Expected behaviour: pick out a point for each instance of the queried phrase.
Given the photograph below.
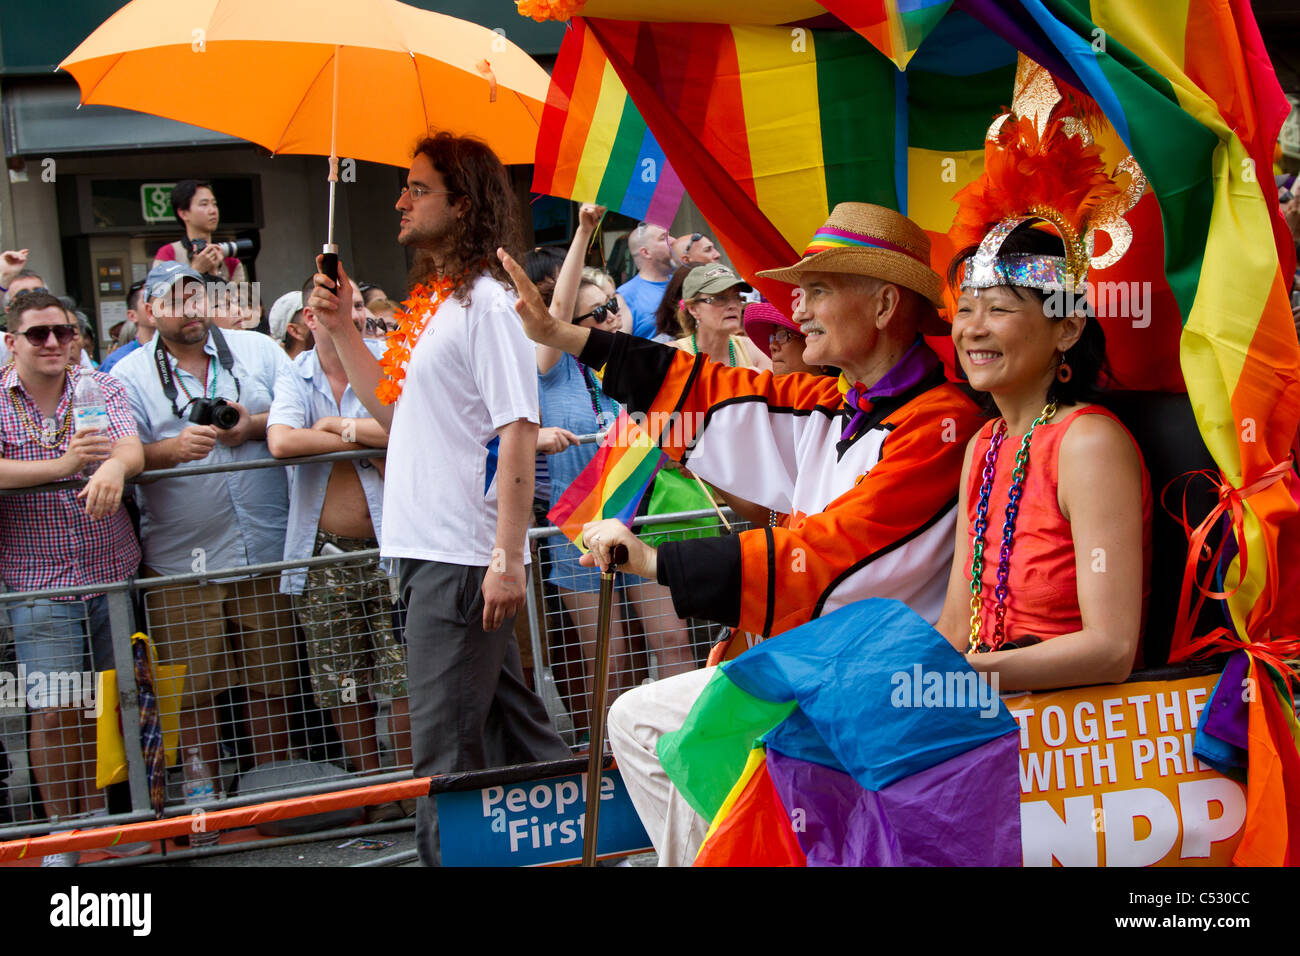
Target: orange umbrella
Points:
(280, 74)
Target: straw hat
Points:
(862, 239)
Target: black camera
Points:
(236, 247)
(214, 411)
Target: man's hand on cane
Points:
(602, 537)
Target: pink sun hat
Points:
(760, 319)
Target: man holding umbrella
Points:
(457, 391)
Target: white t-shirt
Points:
(472, 372)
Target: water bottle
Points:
(199, 792)
(89, 410)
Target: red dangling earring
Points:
(1063, 371)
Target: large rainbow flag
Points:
(774, 755)
(593, 145)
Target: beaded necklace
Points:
(731, 349)
(593, 392)
(211, 382)
(47, 437)
(1008, 531)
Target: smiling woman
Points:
(1031, 614)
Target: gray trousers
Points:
(471, 708)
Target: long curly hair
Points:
(470, 168)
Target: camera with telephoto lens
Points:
(214, 411)
(236, 247)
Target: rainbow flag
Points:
(772, 127)
(774, 754)
(613, 483)
(593, 145)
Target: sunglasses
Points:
(779, 336)
(38, 335)
(598, 313)
(695, 237)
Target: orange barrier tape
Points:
(228, 819)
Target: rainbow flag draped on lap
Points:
(774, 753)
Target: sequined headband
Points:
(987, 270)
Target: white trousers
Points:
(636, 722)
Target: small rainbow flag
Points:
(593, 145)
(613, 483)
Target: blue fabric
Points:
(566, 403)
(118, 355)
(643, 298)
(847, 671)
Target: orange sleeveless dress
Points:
(1042, 582)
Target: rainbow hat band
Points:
(868, 240)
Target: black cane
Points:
(603, 613)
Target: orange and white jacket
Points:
(871, 516)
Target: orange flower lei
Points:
(416, 313)
(541, 10)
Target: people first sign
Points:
(538, 823)
(1108, 778)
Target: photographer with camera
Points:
(195, 208)
(202, 394)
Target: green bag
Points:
(673, 492)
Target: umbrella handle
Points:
(329, 263)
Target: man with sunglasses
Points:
(61, 539)
(29, 281)
(229, 519)
(697, 249)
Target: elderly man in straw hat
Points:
(867, 468)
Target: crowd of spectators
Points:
(191, 346)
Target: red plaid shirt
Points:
(46, 539)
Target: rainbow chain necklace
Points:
(593, 392)
(1008, 531)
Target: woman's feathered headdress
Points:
(1040, 163)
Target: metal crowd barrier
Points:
(264, 705)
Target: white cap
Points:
(282, 312)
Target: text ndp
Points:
(536, 816)
(1111, 771)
